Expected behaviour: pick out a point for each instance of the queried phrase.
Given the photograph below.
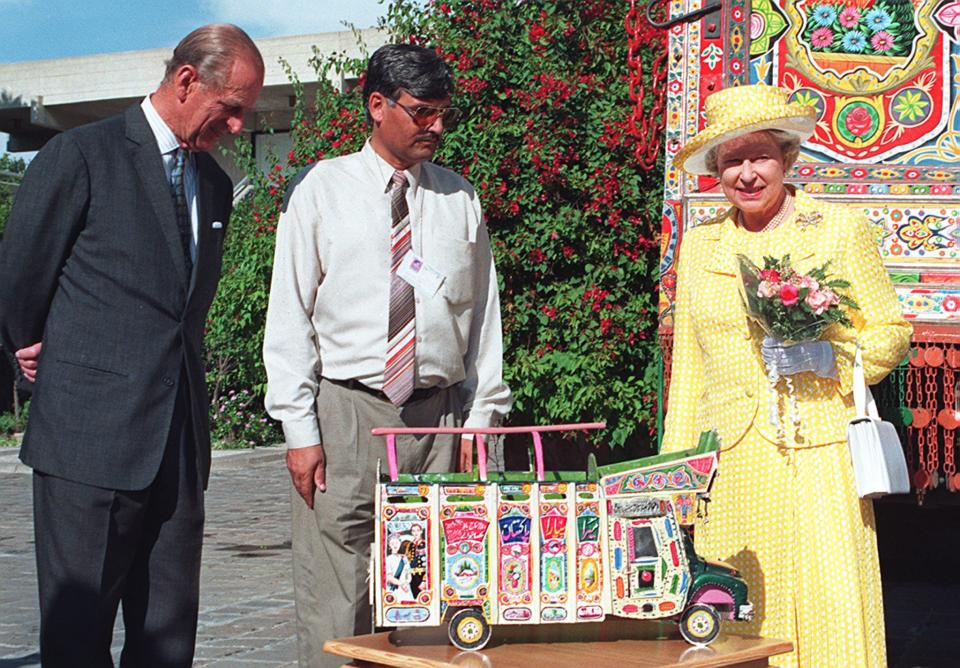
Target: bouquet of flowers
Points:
(791, 307)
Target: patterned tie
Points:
(401, 329)
(180, 203)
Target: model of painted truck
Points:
(548, 547)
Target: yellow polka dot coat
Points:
(784, 508)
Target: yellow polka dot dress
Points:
(784, 508)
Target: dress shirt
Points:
(329, 298)
(168, 144)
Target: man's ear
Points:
(377, 106)
(185, 80)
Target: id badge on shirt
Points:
(419, 274)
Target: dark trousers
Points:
(97, 547)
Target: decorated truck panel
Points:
(544, 547)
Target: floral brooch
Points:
(812, 219)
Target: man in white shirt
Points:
(383, 312)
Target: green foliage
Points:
(11, 171)
(573, 219)
(14, 422)
(235, 327)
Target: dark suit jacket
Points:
(92, 265)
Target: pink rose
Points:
(767, 289)
(808, 282)
(789, 294)
(818, 300)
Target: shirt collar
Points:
(384, 170)
(166, 140)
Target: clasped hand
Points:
(788, 359)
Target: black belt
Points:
(353, 384)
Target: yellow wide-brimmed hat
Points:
(734, 112)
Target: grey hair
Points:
(212, 50)
(788, 144)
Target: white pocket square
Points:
(217, 225)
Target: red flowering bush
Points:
(573, 219)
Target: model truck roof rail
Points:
(707, 445)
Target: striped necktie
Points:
(401, 329)
(180, 204)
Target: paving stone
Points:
(246, 602)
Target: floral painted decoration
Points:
(864, 27)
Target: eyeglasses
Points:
(424, 115)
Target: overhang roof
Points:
(42, 97)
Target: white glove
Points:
(815, 356)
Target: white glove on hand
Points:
(815, 356)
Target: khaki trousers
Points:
(331, 543)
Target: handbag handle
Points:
(862, 396)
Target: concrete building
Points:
(41, 98)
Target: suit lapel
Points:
(720, 259)
(803, 253)
(149, 165)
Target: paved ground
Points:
(246, 600)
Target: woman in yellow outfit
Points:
(784, 508)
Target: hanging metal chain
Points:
(933, 452)
(902, 376)
(914, 394)
(949, 424)
(912, 379)
(646, 127)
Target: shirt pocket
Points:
(455, 258)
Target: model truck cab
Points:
(657, 573)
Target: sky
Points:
(44, 29)
(41, 29)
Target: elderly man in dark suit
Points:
(109, 263)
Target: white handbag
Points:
(878, 462)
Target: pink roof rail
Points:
(391, 434)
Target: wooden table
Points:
(615, 643)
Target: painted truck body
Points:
(550, 548)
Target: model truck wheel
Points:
(468, 629)
(700, 624)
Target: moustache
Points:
(428, 136)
